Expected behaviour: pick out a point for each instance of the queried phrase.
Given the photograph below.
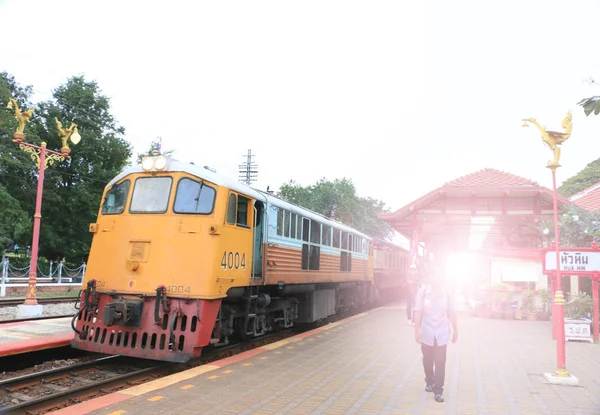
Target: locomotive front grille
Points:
(178, 336)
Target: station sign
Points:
(574, 261)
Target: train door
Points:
(258, 242)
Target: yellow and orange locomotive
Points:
(182, 258)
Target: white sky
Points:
(398, 96)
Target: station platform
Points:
(370, 364)
(30, 336)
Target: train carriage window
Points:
(293, 226)
(350, 242)
(336, 238)
(194, 197)
(315, 258)
(242, 211)
(326, 235)
(315, 233)
(231, 209)
(115, 199)
(344, 240)
(305, 229)
(286, 224)
(280, 213)
(151, 195)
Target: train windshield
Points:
(194, 197)
(151, 195)
(114, 202)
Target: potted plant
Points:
(544, 313)
(529, 304)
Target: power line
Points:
(249, 170)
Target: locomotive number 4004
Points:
(233, 260)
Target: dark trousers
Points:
(434, 363)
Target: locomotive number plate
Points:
(233, 260)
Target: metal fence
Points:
(57, 274)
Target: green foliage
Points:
(590, 105)
(72, 188)
(338, 200)
(579, 306)
(587, 177)
(577, 227)
(154, 150)
(14, 224)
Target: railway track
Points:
(6, 302)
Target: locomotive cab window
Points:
(194, 197)
(237, 210)
(231, 209)
(242, 211)
(151, 195)
(115, 199)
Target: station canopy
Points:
(482, 211)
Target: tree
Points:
(154, 150)
(577, 227)
(338, 200)
(72, 188)
(590, 105)
(14, 224)
(18, 176)
(587, 177)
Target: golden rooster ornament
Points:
(22, 118)
(553, 139)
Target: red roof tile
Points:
(588, 199)
(490, 178)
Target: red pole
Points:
(595, 297)
(559, 301)
(37, 218)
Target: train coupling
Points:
(122, 312)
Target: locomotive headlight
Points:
(160, 163)
(147, 163)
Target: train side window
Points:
(315, 258)
(286, 224)
(315, 233)
(242, 211)
(326, 235)
(344, 240)
(305, 229)
(231, 209)
(346, 261)
(280, 213)
(350, 242)
(304, 256)
(336, 238)
(293, 226)
(115, 199)
(194, 197)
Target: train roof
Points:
(220, 180)
(379, 241)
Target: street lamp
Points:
(553, 140)
(42, 158)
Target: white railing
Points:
(58, 274)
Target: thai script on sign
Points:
(582, 261)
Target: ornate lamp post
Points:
(42, 158)
(553, 140)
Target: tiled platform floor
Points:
(372, 365)
(27, 336)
